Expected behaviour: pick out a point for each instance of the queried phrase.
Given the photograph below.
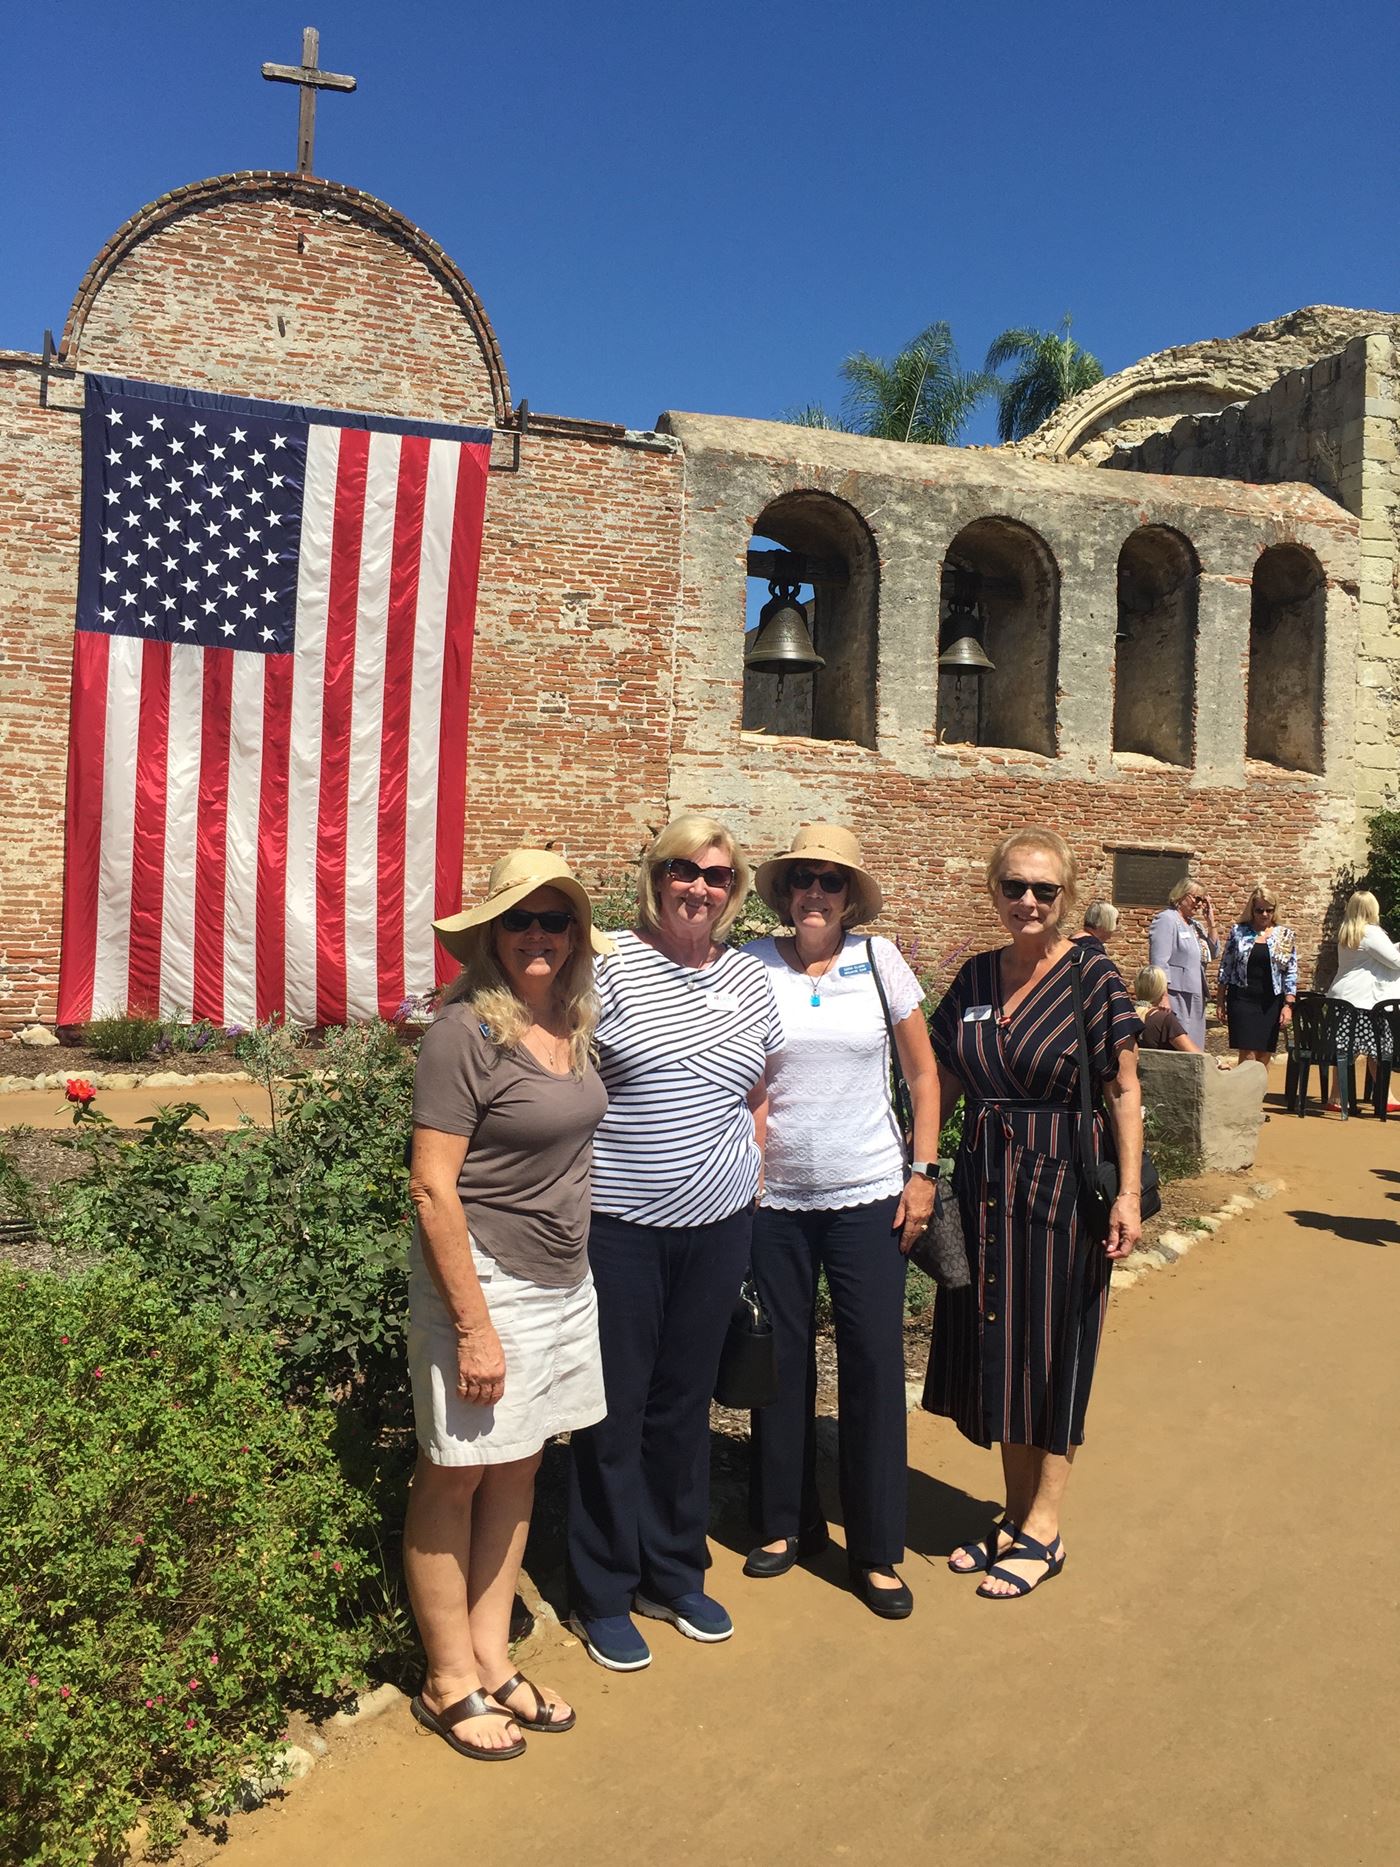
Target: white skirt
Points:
(554, 1369)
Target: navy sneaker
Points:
(698, 1616)
(613, 1641)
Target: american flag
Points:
(267, 752)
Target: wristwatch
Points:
(928, 1168)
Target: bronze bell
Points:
(966, 656)
(780, 644)
(964, 653)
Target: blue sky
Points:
(706, 206)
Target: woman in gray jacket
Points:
(1179, 944)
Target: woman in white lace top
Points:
(838, 1196)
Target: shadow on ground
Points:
(1356, 1231)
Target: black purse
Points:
(748, 1362)
(1098, 1179)
(942, 1251)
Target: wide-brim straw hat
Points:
(513, 878)
(825, 842)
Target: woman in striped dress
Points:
(684, 1034)
(1013, 1355)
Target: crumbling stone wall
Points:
(1337, 425)
(1128, 407)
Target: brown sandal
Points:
(544, 1718)
(474, 1705)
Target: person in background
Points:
(1182, 945)
(1100, 925)
(685, 1030)
(1258, 978)
(503, 1324)
(838, 1196)
(1013, 1356)
(1368, 962)
(1161, 1028)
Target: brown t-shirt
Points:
(524, 1184)
(1158, 1030)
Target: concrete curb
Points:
(1170, 1246)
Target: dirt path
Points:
(1213, 1677)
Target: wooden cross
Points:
(311, 80)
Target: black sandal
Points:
(545, 1718)
(474, 1705)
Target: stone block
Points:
(35, 1037)
(1215, 1114)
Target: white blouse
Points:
(832, 1136)
(1367, 973)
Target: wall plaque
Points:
(1143, 878)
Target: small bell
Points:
(780, 644)
(963, 631)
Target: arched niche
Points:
(1010, 574)
(1154, 692)
(1287, 632)
(840, 564)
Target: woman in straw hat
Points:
(503, 1329)
(685, 1029)
(838, 1196)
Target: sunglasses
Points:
(1012, 889)
(798, 879)
(551, 920)
(682, 869)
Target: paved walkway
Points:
(223, 1103)
(1212, 1678)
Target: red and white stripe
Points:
(250, 834)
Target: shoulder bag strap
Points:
(1086, 1094)
(900, 1097)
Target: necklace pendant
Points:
(816, 996)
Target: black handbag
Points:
(748, 1362)
(942, 1251)
(1098, 1179)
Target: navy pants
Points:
(639, 1481)
(865, 1273)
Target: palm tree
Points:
(1051, 368)
(921, 394)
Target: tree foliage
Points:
(1050, 368)
(922, 393)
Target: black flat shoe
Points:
(768, 1562)
(891, 1604)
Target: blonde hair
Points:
(1179, 890)
(1100, 915)
(1259, 897)
(1049, 844)
(1363, 911)
(687, 836)
(1150, 984)
(483, 986)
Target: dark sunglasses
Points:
(682, 869)
(552, 920)
(798, 879)
(1012, 889)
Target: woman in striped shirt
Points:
(684, 1034)
(1013, 1355)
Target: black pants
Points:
(865, 1273)
(639, 1481)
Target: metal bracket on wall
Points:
(47, 359)
(521, 426)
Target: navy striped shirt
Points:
(680, 1048)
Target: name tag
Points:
(977, 1014)
(849, 972)
(721, 1001)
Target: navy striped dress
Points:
(1013, 1355)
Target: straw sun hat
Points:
(513, 878)
(825, 842)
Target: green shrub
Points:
(123, 1036)
(1382, 877)
(301, 1231)
(182, 1562)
